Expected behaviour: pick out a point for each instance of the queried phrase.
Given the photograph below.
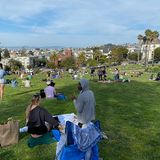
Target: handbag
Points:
(9, 132)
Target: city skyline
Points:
(75, 23)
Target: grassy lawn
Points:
(129, 114)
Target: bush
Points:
(154, 69)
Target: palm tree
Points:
(54, 57)
(149, 38)
(140, 42)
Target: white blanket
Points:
(63, 118)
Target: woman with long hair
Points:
(2, 81)
(38, 119)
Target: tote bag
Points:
(9, 132)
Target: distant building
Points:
(63, 55)
(149, 50)
(13, 54)
(5, 61)
(26, 61)
(133, 49)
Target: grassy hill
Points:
(128, 112)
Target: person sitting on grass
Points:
(27, 83)
(124, 78)
(50, 90)
(39, 123)
(151, 77)
(38, 119)
(158, 77)
(14, 83)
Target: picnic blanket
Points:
(44, 139)
(75, 142)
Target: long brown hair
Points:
(35, 101)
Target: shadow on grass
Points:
(21, 93)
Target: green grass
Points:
(129, 114)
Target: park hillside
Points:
(128, 113)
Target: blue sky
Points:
(75, 23)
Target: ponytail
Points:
(35, 101)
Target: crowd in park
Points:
(72, 132)
(46, 128)
(101, 73)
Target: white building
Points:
(149, 50)
(26, 60)
(5, 61)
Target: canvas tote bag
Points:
(9, 132)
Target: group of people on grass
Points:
(155, 78)
(102, 75)
(40, 122)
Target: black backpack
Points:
(42, 93)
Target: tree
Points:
(91, 62)
(7, 68)
(103, 59)
(118, 54)
(157, 54)
(14, 64)
(133, 56)
(41, 62)
(149, 38)
(81, 59)
(69, 63)
(51, 65)
(6, 53)
(54, 58)
(97, 54)
(140, 42)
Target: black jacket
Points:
(37, 118)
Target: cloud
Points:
(104, 21)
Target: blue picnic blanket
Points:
(73, 151)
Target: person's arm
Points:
(50, 119)
(54, 91)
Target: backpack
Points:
(42, 93)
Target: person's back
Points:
(49, 91)
(38, 119)
(14, 83)
(27, 83)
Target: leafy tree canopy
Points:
(119, 54)
(157, 54)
